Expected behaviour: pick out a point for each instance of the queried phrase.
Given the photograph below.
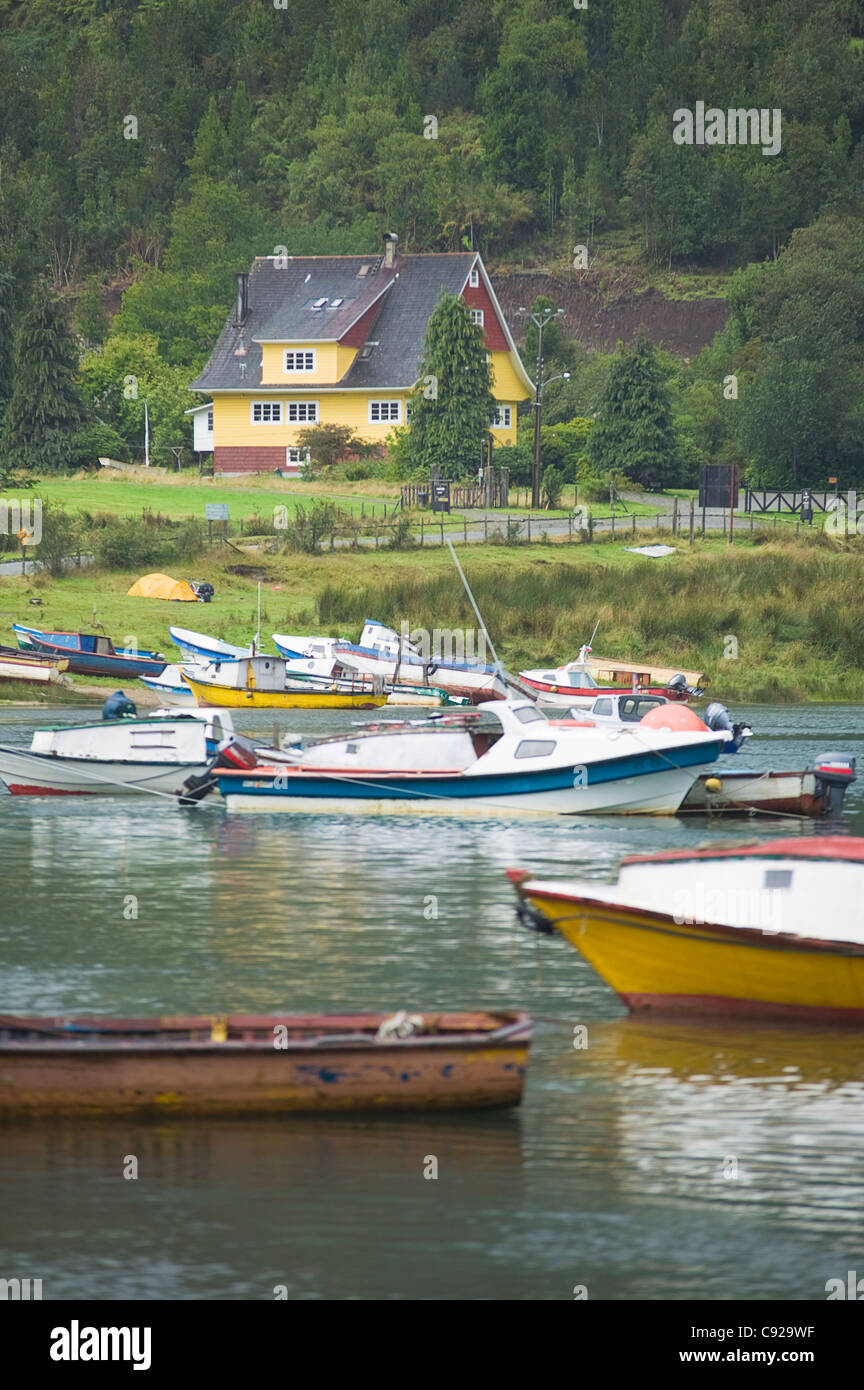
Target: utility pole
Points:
(541, 321)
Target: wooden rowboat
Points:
(18, 666)
(272, 1063)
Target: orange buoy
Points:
(679, 719)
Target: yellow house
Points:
(337, 340)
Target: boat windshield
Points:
(530, 714)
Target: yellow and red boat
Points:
(771, 930)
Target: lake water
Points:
(664, 1161)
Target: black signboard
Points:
(440, 497)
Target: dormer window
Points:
(299, 361)
(474, 278)
(477, 317)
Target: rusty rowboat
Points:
(263, 1063)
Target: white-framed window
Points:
(503, 417)
(385, 411)
(409, 410)
(266, 412)
(303, 412)
(477, 317)
(295, 361)
(210, 421)
(297, 456)
(474, 278)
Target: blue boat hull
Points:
(644, 781)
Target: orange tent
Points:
(162, 586)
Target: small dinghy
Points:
(276, 1064)
(773, 930)
(817, 791)
(17, 665)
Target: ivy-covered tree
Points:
(634, 433)
(45, 408)
(453, 403)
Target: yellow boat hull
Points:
(653, 963)
(228, 697)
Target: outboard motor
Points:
(834, 773)
(234, 752)
(678, 689)
(718, 717)
(119, 706)
(202, 590)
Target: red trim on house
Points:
(359, 331)
(496, 339)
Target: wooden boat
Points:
(157, 753)
(774, 930)
(501, 756)
(198, 648)
(16, 665)
(264, 682)
(817, 791)
(279, 1063)
(90, 655)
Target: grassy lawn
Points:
(790, 604)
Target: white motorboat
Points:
(381, 652)
(503, 756)
(156, 753)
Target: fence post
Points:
(332, 540)
(675, 516)
(376, 537)
(529, 528)
(485, 528)
(613, 523)
(634, 526)
(442, 532)
(569, 525)
(421, 530)
(465, 529)
(692, 516)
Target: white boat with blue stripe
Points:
(503, 756)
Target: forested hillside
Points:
(153, 147)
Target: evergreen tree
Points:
(453, 403)
(634, 433)
(45, 407)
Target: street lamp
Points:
(541, 320)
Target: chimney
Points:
(241, 308)
(390, 242)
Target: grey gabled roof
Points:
(280, 310)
